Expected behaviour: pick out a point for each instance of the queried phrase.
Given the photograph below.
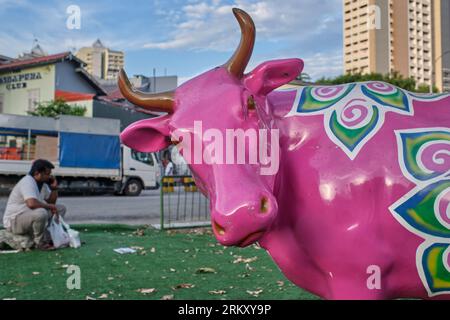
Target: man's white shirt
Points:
(169, 169)
(25, 189)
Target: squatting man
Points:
(32, 204)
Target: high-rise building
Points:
(441, 48)
(101, 62)
(411, 37)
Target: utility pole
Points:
(154, 80)
(432, 71)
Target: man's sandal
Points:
(46, 247)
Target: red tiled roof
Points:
(20, 64)
(40, 60)
(73, 96)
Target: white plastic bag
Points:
(74, 236)
(58, 234)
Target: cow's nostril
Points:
(218, 228)
(264, 206)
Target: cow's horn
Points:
(163, 102)
(238, 62)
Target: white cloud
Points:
(11, 45)
(324, 65)
(316, 65)
(209, 25)
(308, 29)
(311, 29)
(199, 10)
(47, 24)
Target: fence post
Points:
(162, 203)
(186, 183)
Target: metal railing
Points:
(182, 204)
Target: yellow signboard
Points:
(20, 91)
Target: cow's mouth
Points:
(246, 241)
(218, 229)
(251, 238)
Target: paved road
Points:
(144, 209)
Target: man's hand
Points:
(35, 204)
(54, 212)
(52, 208)
(54, 183)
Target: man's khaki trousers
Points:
(35, 222)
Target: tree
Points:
(425, 88)
(394, 78)
(56, 108)
(304, 77)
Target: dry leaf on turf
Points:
(219, 292)
(147, 291)
(240, 259)
(184, 286)
(205, 270)
(255, 293)
(248, 267)
(139, 232)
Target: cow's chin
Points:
(250, 239)
(242, 242)
(246, 224)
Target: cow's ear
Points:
(272, 74)
(149, 135)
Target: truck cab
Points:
(86, 153)
(141, 171)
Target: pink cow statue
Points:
(359, 205)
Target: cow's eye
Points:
(251, 104)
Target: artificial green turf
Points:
(175, 262)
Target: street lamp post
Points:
(432, 70)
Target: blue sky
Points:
(184, 37)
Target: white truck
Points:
(86, 152)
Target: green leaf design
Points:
(309, 104)
(398, 99)
(433, 264)
(419, 210)
(351, 138)
(412, 143)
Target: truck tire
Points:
(133, 188)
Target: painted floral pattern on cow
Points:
(353, 113)
(436, 267)
(424, 157)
